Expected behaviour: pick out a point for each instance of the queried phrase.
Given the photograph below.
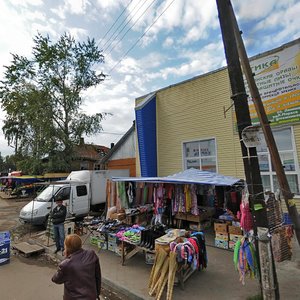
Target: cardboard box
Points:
(180, 216)
(220, 227)
(111, 247)
(235, 237)
(102, 244)
(111, 238)
(195, 226)
(221, 244)
(222, 236)
(235, 230)
(149, 258)
(231, 245)
(114, 216)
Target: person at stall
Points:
(80, 271)
(58, 216)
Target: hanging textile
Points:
(158, 203)
(245, 213)
(187, 197)
(194, 208)
(244, 259)
(122, 194)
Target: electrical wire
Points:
(111, 27)
(141, 36)
(129, 28)
(122, 24)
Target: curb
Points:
(106, 283)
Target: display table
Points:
(183, 274)
(134, 250)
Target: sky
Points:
(147, 44)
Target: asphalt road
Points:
(28, 278)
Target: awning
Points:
(188, 176)
(22, 179)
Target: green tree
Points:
(42, 98)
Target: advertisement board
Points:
(277, 77)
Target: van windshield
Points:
(47, 193)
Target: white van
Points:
(81, 192)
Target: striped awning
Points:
(187, 176)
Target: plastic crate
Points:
(4, 247)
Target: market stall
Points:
(166, 218)
(163, 215)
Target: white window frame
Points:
(184, 158)
(272, 173)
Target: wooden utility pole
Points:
(265, 124)
(250, 160)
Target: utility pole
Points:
(250, 160)
(265, 124)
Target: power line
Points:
(141, 36)
(114, 133)
(131, 27)
(111, 27)
(123, 23)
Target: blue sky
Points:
(168, 41)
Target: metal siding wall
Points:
(194, 110)
(146, 131)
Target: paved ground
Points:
(28, 279)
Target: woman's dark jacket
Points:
(81, 274)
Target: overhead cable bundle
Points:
(245, 259)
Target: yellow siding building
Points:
(194, 123)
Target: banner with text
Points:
(277, 77)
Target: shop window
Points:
(200, 155)
(285, 143)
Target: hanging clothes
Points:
(122, 194)
(194, 207)
(188, 199)
(245, 213)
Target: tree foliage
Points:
(42, 98)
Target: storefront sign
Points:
(277, 77)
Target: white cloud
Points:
(185, 39)
(168, 42)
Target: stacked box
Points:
(4, 247)
(118, 250)
(235, 234)
(102, 241)
(235, 230)
(221, 238)
(111, 246)
(221, 227)
(112, 242)
(221, 244)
